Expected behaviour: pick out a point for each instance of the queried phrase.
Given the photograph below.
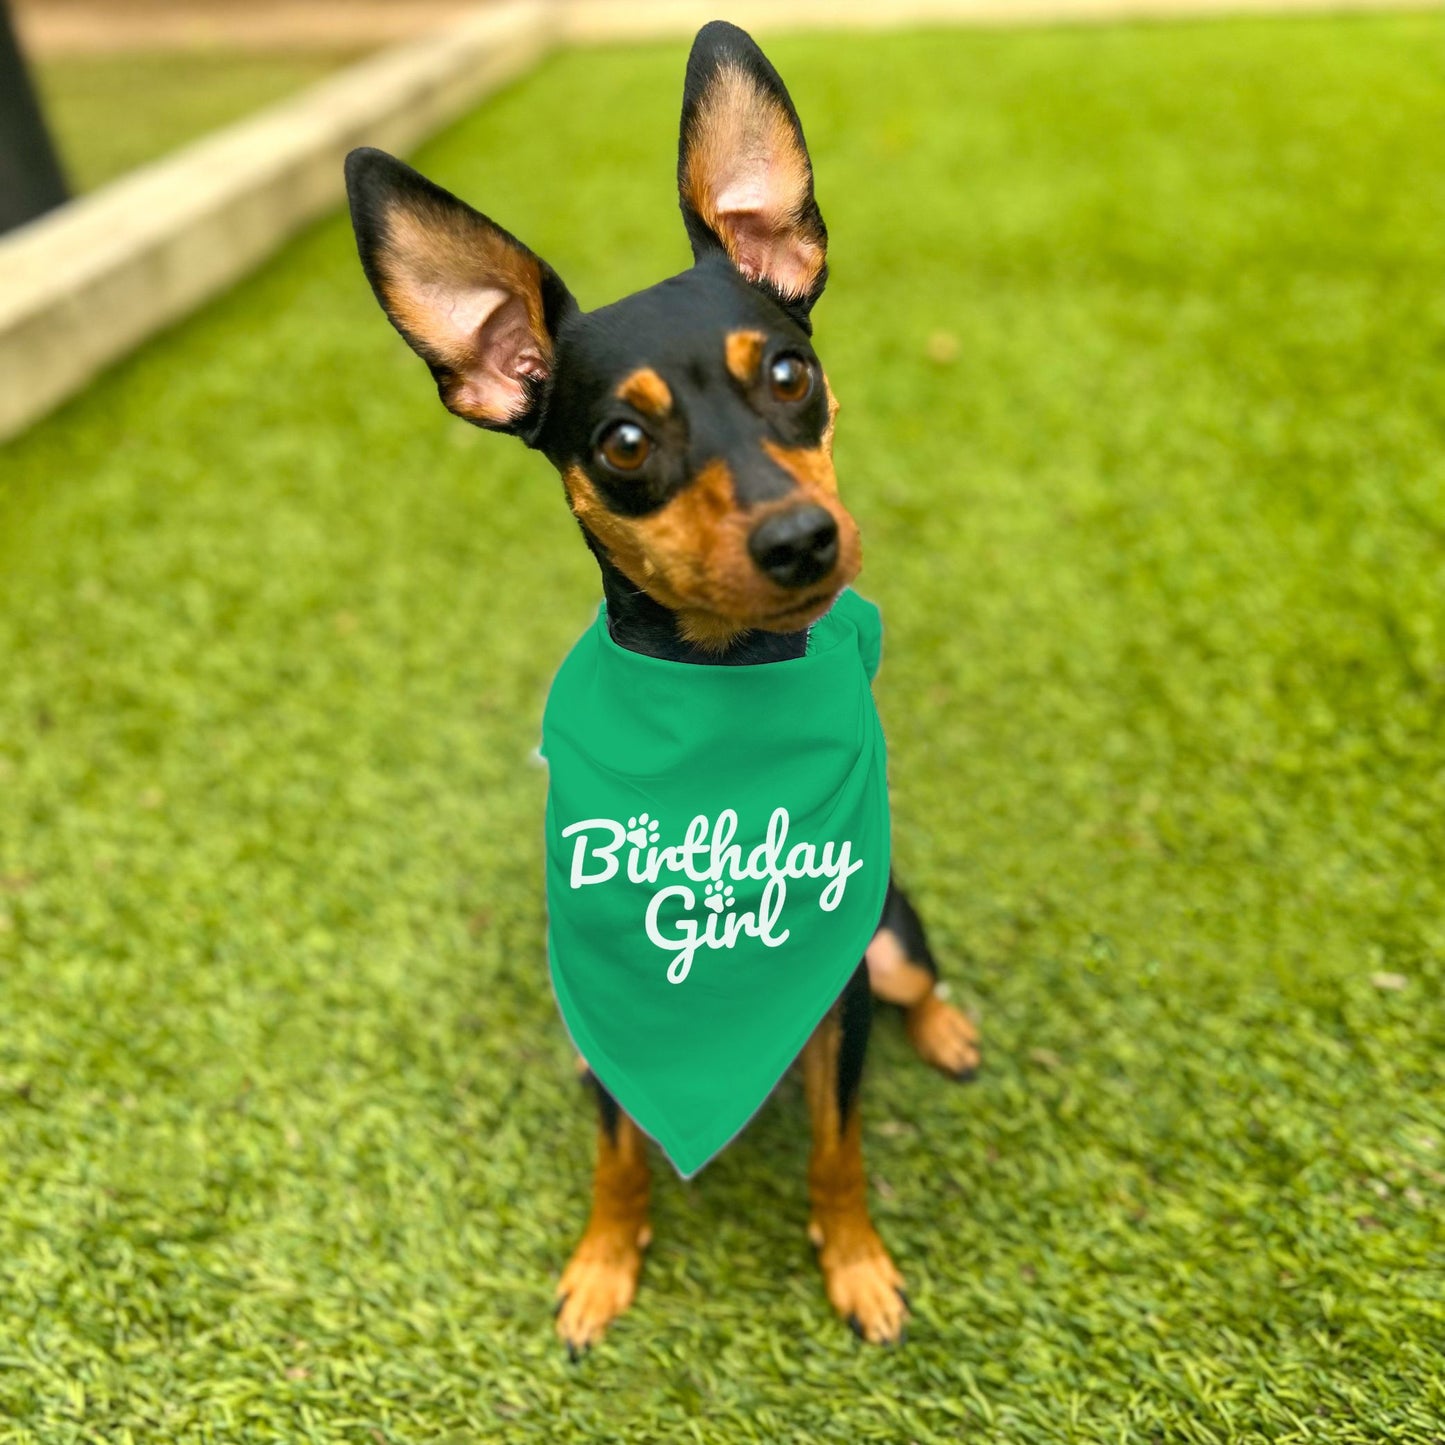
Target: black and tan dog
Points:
(692, 425)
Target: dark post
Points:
(31, 181)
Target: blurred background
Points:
(124, 81)
(1139, 333)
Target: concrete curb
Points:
(595, 22)
(87, 283)
(104, 27)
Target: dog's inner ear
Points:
(469, 299)
(746, 177)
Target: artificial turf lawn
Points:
(292, 1144)
(110, 113)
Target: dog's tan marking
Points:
(748, 177)
(692, 555)
(941, 1034)
(677, 553)
(600, 1279)
(744, 353)
(892, 975)
(810, 467)
(862, 1282)
(832, 424)
(648, 392)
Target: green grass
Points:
(292, 1146)
(111, 113)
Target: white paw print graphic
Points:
(642, 830)
(718, 896)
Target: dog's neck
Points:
(640, 624)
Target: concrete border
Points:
(86, 284)
(109, 27)
(597, 22)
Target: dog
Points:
(692, 426)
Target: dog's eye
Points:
(624, 447)
(790, 377)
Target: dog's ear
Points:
(471, 300)
(743, 172)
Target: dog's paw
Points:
(598, 1284)
(718, 896)
(642, 830)
(862, 1282)
(944, 1037)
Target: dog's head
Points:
(691, 422)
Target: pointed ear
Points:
(474, 303)
(743, 173)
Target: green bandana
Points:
(717, 858)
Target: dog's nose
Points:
(795, 547)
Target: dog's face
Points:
(692, 422)
(692, 426)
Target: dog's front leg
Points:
(901, 970)
(862, 1283)
(601, 1277)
